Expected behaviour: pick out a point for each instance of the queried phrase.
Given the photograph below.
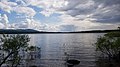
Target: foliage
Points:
(109, 44)
(11, 46)
(32, 48)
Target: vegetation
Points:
(10, 46)
(32, 48)
(109, 45)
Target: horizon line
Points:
(27, 31)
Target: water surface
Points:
(56, 48)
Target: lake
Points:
(55, 48)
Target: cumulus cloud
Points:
(24, 10)
(47, 12)
(26, 24)
(18, 26)
(7, 2)
(1, 26)
(52, 27)
(8, 6)
(5, 7)
(83, 14)
(49, 6)
(4, 20)
(33, 24)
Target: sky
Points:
(60, 15)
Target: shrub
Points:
(109, 44)
(11, 45)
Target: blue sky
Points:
(60, 15)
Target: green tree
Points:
(11, 45)
(109, 44)
(32, 48)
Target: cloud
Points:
(24, 10)
(83, 14)
(26, 24)
(83, 24)
(49, 6)
(18, 8)
(7, 2)
(108, 14)
(47, 12)
(68, 28)
(18, 26)
(51, 27)
(7, 6)
(104, 11)
(105, 26)
(33, 24)
(1, 26)
(100, 11)
(4, 20)
(107, 2)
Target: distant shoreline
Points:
(31, 31)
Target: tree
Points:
(11, 45)
(109, 44)
(33, 48)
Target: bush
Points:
(109, 44)
(11, 46)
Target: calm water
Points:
(56, 48)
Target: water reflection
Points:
(105, 62)
(57, 49)
(77, 46)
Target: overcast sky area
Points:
(60, 15)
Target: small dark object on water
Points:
(73, 62)
(33, 66)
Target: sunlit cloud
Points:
(25, 10)
(76, 14)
